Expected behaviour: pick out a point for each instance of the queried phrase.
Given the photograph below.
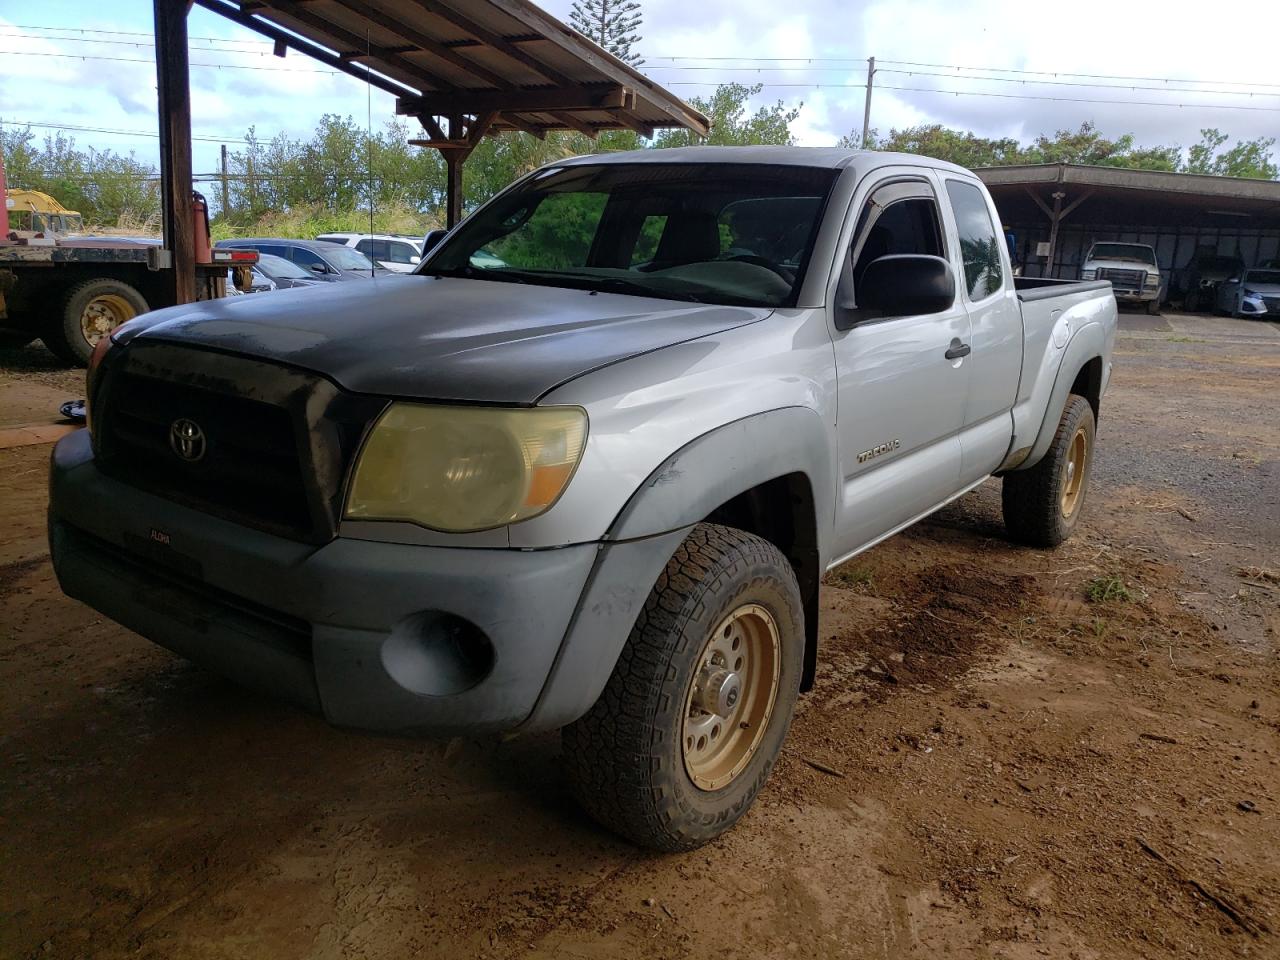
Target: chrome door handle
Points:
(957, 350)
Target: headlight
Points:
(459, 469)
(1088, 274)
(1153, 279)
(1250, 293)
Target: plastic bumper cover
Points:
(351, 628)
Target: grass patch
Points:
(1107, 590)
(854, 577)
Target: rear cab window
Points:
(980, 244)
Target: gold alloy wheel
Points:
(103, 314)
(731, 697)
(1073, 476)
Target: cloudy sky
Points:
(60, 67)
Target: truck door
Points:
(995, 328)
(900, 397)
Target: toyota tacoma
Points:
(585, 468)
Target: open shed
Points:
(1069, 207)
(463, 68)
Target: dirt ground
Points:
(993, 765)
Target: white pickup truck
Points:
(1130, 268)
(586, 467)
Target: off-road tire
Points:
(63, 334)
(1032, 499)
(624, 758)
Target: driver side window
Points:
(896, 225)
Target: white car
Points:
(397, 253)
(1132, 269)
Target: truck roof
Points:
(831, 157)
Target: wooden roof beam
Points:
(422, 41)
(228, 9)
(345, 39)
(546, 100)
(498, 42)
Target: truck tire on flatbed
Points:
(690, 723)
(1042, 505)
(91, 310)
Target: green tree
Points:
(1088, 146)
(942, 143)
(612, 24)
(733, 123)
(1248, 158)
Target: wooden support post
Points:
(453, 162)
(173, 84)
(1054, 220)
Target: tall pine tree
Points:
(610, 23)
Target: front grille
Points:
(1272, 304)
(249, 464)
(1124, 281)
(276, 441)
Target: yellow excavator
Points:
(36, 212)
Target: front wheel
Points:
(690, 723)
(1042, 505)
(1153, 308)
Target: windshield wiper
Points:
(623, 285)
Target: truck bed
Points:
(86, 250)
(1044, 288)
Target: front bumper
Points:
(362, 631)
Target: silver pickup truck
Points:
(586, 467)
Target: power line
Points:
(123, 133)
(691, 58)
(1087, 76)
(260, 49)
(861, 62)
(922, 73)
(218, 66)
(988, 93)
(127, 33)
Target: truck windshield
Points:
(708, 233)
(1123, 251)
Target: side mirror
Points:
(899, 285)
(429, 242)
(319, 268)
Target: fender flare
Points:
(714, 468)
(688, 486)
(1088, 343)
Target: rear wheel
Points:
(90, 311)
(692, 719)
(1042, 505)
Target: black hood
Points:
(437, 338)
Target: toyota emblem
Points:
(187, 440)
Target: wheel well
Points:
(1088, 384)
(782, 511)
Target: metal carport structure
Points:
(464, 68)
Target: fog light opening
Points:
(437, 654)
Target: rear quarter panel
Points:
(1060, 335)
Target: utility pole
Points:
(866, 112)
(226, 205)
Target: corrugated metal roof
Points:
(505, 61)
